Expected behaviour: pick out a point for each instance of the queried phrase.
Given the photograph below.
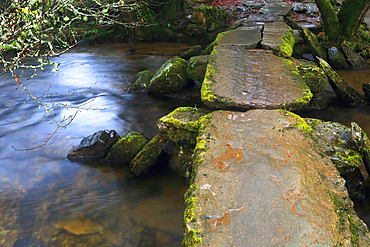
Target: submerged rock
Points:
(316, 48)
(347, 94)
(337, 59)
(314, 77)
(94, 146)
(278, 36)
(141, 81)
(80, 226)
(337, 142)
(197, 68)
(148, 156)
(191, 52)
(125, 149)
(170, 77)
(259, 179)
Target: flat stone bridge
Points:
(260, 180)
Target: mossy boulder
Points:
(125, 149)
(191, 52)
(316, 48)
(181, 158)
(362, 144)
(141, 81)
(197, 68)
(353, 58)
(314, 77)
(337, 59)
(170, 77)
(148, 156)
(345, 92)
(182, 125)
(337, 142)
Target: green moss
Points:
(300, 123)
(314, 77)
(286, 47)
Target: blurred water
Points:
(41, 191)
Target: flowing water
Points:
(44, 197)
(47, 200)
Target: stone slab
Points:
(237, 78)
(278, 36)
(261, 182)
(276, 8)
(247, 36)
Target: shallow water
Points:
(44, 196)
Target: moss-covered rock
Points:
(181, 158)
(337, 142)
(148, 156)
(197, 68)
(337, 59)
(314, 77)
(125, 149)
(170, 77)
(182, 125)
(345, 92)
(317, 49)
(353, 58)
(191, 52)
(362, 144)
(141, 81)
(278, 36)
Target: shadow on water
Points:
(47, 200)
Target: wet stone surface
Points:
(276, 8)
(278, 36)
(261, 181)
(243, 79)
(246, 36)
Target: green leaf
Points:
(105, 10)
(66, 18)
(85, 18)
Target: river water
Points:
(44, 197)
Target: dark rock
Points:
(253, 4)
(94, 146)
(316, 48)
(125, 149)
(261, 180)
(191, 52)
(314, 77)
(337, 59)
(278, 36)
(197, 68)
(141, 81)
(337, 142)
(353, 58)
(345, 92)
(276, 8)
(148, 156)
(268, 82)
(362, 144)
(170, 77)
(366, 89)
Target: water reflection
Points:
(47, 200)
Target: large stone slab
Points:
(246, 36)
(278, 36)
(260, 181)
(237, 78)
(276, 8)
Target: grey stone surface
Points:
(276, 8)
(337, 59)
(237, 78)
(260, 181)
(353, 58)
(246, 36)
(278, 36)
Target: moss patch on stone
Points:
(197, 67)
(314, 77)
(286, 47)
(141, 81)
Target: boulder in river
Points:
(141, 81)
(96, 145)
(148, 156)
(353, 58)
(197, 68)
(337, 142)
(345, 92)
(125, 149)
(314, 77)
(191, 52)
(170, 77)
(337, 59)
